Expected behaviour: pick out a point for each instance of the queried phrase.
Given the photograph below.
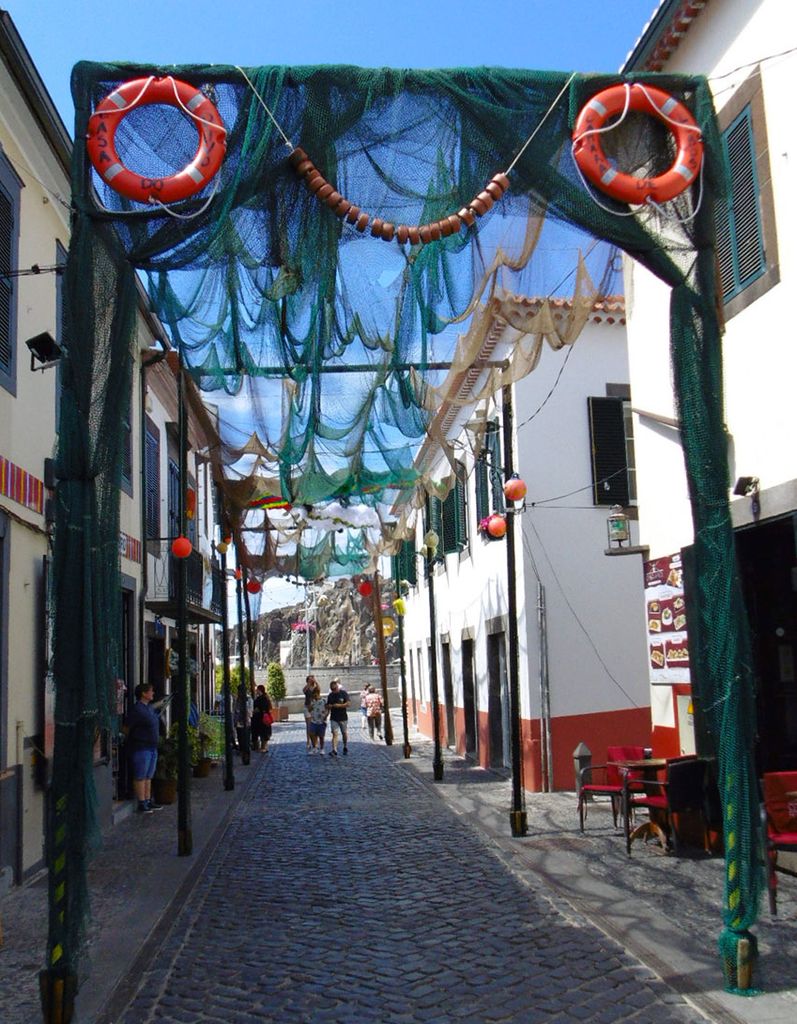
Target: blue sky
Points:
(569, 35)
(581, 35)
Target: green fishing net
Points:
(321, 356)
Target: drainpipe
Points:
(546, 752)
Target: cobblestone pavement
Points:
(345, 892)
(358, 890)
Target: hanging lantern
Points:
(365, 588)
(182, 547)
(221, 547)
(515, 489)
(388, 627)
(190, 503)
(253, 586)
(496, 525)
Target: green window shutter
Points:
(151, 469)
(448, 519)
(6, 282)
(403, 565)
(409, 568)
(740, 240)
(496, 468)
(607, 442)
(482, 480)
(461, 508)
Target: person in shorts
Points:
(142, 727)
(337, 702)
(373, 707)
(318, 719)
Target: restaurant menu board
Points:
(668, 643)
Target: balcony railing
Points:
(203, 582)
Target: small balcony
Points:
(203, 585)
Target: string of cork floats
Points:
(414, 234)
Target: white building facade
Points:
(580, 614)
(740, 47)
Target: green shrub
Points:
(275, 682)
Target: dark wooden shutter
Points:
(740, 242)
(153, 482)
(6, 282)
(404, 567)
(607, 441)
(482, 481)
(496, 468)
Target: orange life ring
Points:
(591, 159)
(103, 123)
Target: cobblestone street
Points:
(343, 891)
(356, 890)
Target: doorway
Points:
(497, 701)
(448, 697)
(469, 699)
(767, 557)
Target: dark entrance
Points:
(768, 565)
(497, 706)
(448, 697)
(469, 698)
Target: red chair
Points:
(780, 822)
(606, 780)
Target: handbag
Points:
(268, 718)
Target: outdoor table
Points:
(650, 768)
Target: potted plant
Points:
(164, 784)
(275, 688)
(204, 737)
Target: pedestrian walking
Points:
(243, 716)
(261, 720)
(373, 709)
(363, 709)
(338, 702)
(318, 719)
(310, 685)
(142, 728)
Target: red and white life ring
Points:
(591, 159)
(104, 122)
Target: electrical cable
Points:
(574, 613)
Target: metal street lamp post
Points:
(517, 814)
(402, 662)
(243, 717)
(229, 772)
(430, 544)
(380, 653)
(185, 843)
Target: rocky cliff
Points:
(340, 622)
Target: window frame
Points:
(608, 443)
(748, 100)
(152, 524)
(11, 187)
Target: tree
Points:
(275, 682)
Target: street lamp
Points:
(429, 550)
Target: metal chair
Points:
(682, 790)
(780, 824)
(606, 780)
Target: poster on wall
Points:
(668, 642)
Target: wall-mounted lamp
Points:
(617, 527)
(44, 349)
(749, 487)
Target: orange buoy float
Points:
(138, 92)
(627, 188)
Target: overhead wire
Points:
(573, 612)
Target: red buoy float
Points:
(253, 586)
(365, 588)
(496, 525)
(647, 99)
(139, 92)
(182, 547)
